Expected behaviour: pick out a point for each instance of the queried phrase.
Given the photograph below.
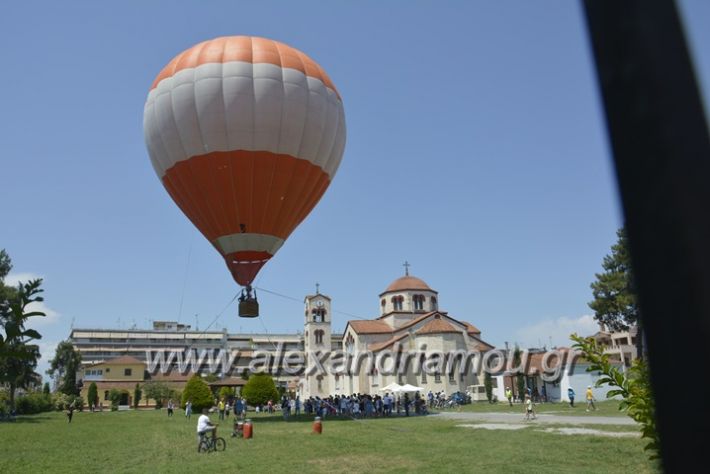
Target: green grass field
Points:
(149, 441)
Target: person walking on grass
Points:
(188, 409)
(570, 395)
(529, 410)
(171, 407)
(590, 399)
(220, 407)
(509, 395)
(70, 412)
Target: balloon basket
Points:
(249, 308)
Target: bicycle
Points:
(209, 444)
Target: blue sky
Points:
(476, 151)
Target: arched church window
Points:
(349, 344)
(433, 302)
(418, 302)
(384, 302)
(319, 336)
(398, 303)
(318, 315)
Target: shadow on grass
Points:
(24, 419)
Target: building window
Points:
(418, 302)
(452, 377)
(433, 303)
(318, 315)
(384, 302)
(349, 344)
(318, 333)
(398, 302)
(127, 372)
(437, 377)
(106, 395)
(107, 370)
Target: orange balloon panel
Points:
(246, 134)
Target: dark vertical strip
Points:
(659, 137)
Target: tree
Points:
(93, 395)
(45, 389)
(520, 378)
(488, 384)
(260, 389)
(614, 292)
(226, 393)
(634, 387)
(18, 357)
(199, 393)
(136, 396)
(64, 366)
(5, 267)
(157, 391)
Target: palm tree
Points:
(18, 358)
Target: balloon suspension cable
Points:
(301, 301)
(234, 298)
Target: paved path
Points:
(541, 418)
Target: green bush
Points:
(35, 402)
(226, 393)
(93, 395)
(260, 389)
(118, 397)
(62, 401)
(137, 394)
(199, 392)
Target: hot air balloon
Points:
(246, 135)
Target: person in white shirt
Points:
(204, 425)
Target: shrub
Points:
(226, 393)
(117, 397)
(136, 396)
(62, 401)
(199, 392)
(93, 395)
(260, 389)
(35, 402)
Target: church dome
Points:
(407, 282)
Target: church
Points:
(410, 322)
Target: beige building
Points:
(410, 322)
(618, 343)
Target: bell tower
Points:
(316, 340)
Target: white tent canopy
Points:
(410, 388)
(393, 387)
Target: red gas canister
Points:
(317, 426)
(248, 429)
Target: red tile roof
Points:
(370, 327)
(470, 328)
(407, 282)
(438, 326)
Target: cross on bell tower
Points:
(406, 266)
